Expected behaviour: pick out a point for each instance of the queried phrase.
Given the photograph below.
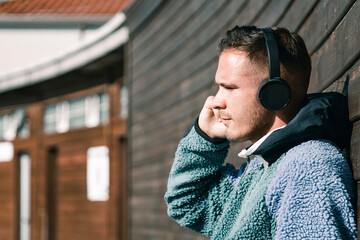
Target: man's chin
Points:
(235, 139)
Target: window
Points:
(50, 119)
(124, 102)
(89, 111)
(14, 125)
(77, 112)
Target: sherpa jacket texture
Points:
(306, 193)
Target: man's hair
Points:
(295, 62)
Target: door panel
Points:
(76, 217)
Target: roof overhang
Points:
(110, 37)
(47, 20)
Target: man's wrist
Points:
(205, 136)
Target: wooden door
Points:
(72, 215)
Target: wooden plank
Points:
(353, 76)
(93, 208)
(247, 15)
(8, 200)
(149, 220)
(173, 30)
(188, 88)
(145, 187)
(66, 234)
(274, 10)
(185, 56)
(174, 128)
(89, 219)
(174, 42)
(155, 202)
(5, 234)
(139, 12)
(339, 52)
(81, 136)
(297, 13)
(322, 21)
(167, 14)
(355, 150)
(66, 188)
(354, 93)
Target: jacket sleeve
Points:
(311, 194)
(197, 186)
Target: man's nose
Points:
(219, 102)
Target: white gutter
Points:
(48, 19)
(109, 37)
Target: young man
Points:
(297, 185)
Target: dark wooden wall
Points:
(172, 60)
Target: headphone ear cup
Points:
(274, 94)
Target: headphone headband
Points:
(274, 93)
(272, 52)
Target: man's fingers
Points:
(209, 102)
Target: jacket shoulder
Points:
(313, 153)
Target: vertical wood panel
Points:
(7, 200)
(51, 191)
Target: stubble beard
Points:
(257, 126)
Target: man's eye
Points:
(228, 87)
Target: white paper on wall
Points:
(6, 151)
(98, 173)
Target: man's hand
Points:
(209, 120)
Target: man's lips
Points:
(224, 120)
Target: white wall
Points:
(22, 47)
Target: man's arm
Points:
(311, 194)
(196, 189)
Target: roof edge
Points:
(109, 37)
(21, 19)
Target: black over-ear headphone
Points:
(274, 93)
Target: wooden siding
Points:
(172, 61)
(59, 205)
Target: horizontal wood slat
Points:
(296, 14)
(322, 22)
(338, 53)
(274, 10)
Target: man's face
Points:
(236, 100)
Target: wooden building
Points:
(62, 120)
(172, 62)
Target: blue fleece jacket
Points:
(306, 193)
